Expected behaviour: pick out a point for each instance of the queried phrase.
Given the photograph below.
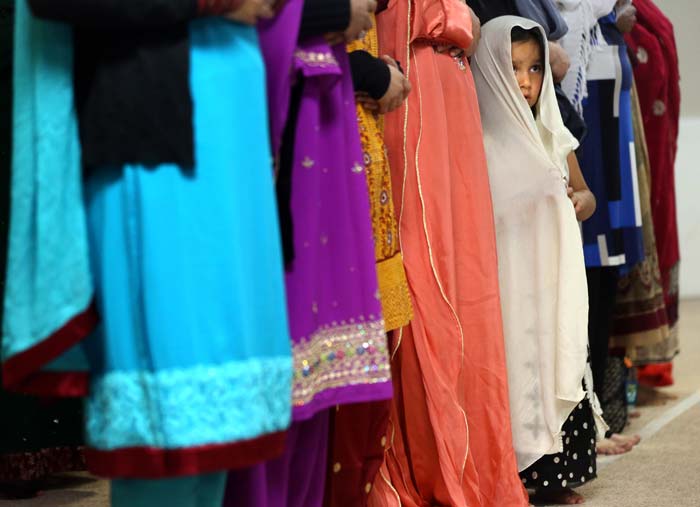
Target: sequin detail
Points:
(317, 59)
(340, 355)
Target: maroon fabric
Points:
(22, 372)
(639, 323)
(652, 42)
(358, 438)
(151, 463)
(36, 465)
(657, 75)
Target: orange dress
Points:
(449, 438)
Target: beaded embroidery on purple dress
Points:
(339, 342)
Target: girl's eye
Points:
(536, 68)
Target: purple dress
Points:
(339, 342)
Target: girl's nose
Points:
(524, 82)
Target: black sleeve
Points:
(572, 120)
(323, 16)
(116, 14)
(369, 74)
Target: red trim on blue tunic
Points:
(21, 372)
(154, 463)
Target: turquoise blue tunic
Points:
(193, 348)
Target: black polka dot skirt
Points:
(577, 464)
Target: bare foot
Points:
(626, 440)
(608, 447)
(565, 496)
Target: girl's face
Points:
(528, 66)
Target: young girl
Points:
(538, 195)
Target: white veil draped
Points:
(584, 34)
(542, 275)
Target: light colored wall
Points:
(685, 15)
(688, 202)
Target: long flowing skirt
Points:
(193, 356)
(448, 441)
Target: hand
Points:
(363, 99)
(250, 11)
(399, 88)
(334, 38)
(476, 34)
(584, 203)
(626, 17)
(558, 61)
(454, 51)
(360, 18)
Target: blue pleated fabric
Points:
(193, 349)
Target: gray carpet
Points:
(662, 472)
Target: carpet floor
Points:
(663, 471)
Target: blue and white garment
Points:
(613, 235)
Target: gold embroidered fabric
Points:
(640, 323)
(393, 286)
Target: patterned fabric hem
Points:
(397, 308)
(660, 352)
(31, 466)
(186, 407)
(342, 354)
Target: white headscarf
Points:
(581, 16)
(540, 254)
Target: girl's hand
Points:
(250, 11)
(584, 203)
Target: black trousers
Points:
(602, 290)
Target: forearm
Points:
(369, 74)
